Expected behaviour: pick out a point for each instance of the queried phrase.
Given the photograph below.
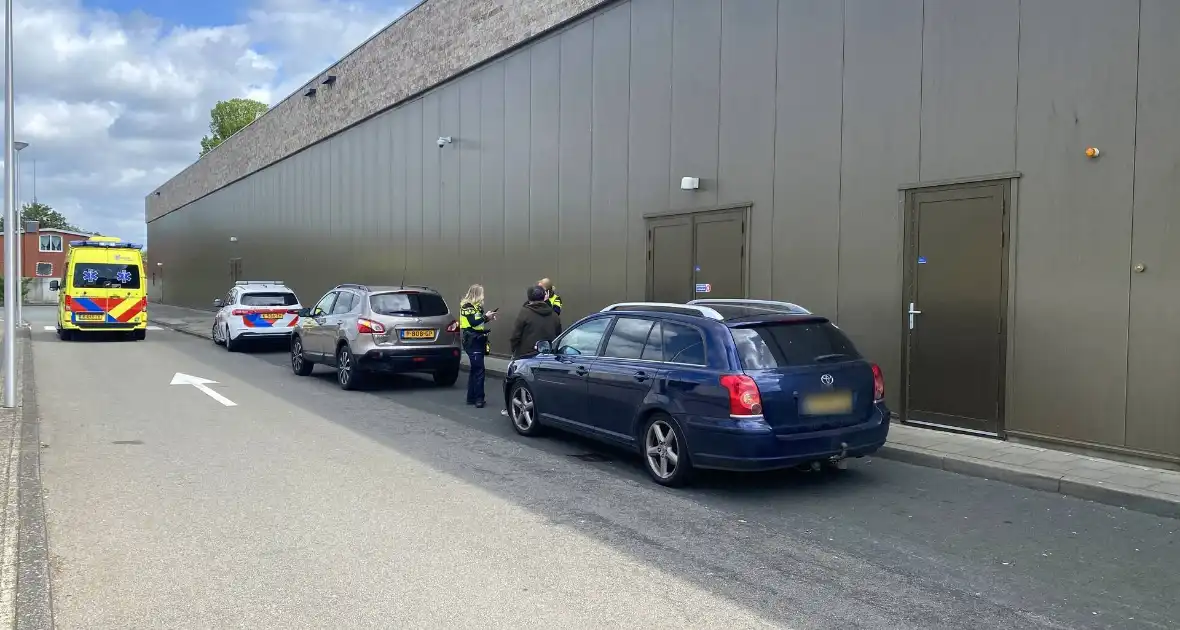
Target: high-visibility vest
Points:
(471, 317)
(555, 302)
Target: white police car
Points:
(254, 309)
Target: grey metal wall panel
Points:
(517, 167)
(969, 74)
(384, 244)
(1074, 225)
(570, 268)
(810, 92)
(1152, 405)
(433, 259)
(491, 187)
(469, 147)
(882, 101)
(450, 213)
(411, 127)
(649, 130)
(746, 141)
(544, 155)
(611, 240)
(696, 87)
(396, 196)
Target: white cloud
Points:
(113, 105)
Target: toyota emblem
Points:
(827, 380)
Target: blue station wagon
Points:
(743, 385)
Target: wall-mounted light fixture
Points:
(233, 239)
(159, 264)
(329, 80)
(1092, 152)
(157, 193)
(310, 92)
(444, 141)
(690, 183)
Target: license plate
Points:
(90, 317)
(418, 334)
(272, 316)
(827, 404)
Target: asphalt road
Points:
(306, 506)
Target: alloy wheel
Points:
(522, 409)
(344, 369)
(661, 449)
(297, 355)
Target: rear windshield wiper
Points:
(823, 358)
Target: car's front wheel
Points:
(299, 364)
(522, 409)
(216, 335)
(665, 454)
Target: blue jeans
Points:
(475, 376)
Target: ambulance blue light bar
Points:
(104, 244)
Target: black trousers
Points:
(476, 347)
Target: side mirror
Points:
(54, 285)
(544, 347)
(218, 303)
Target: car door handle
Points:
(640, 376)
(581, 370)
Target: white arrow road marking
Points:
(203, 385)
(54, 328)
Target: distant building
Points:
(44, 252)
(982, 193)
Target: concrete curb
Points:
(34, 597)
(1118, 496)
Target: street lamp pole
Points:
(11, 229)
(18, 146)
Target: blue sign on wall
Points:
(704, 288)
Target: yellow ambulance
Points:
(102, 289)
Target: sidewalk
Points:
(1131, 486)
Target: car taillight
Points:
(744, 397)
(292, 311)
(878, 384)
(369, 326)
(238, 312)
(453, 327)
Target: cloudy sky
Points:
(113, 96)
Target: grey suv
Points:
(361, 330)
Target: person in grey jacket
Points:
(537, 321)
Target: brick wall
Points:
(430, 44)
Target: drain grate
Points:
(127, 442)
(590, 457)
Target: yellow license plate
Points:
(272, 316)
(90, 317)
(827, 404)
(418, 334)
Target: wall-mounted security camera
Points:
(443, 141)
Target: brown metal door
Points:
(669, 255)
(235, 269)
(720, 252)
(956, 277)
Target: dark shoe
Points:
(479, 405)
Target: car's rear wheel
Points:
(299, 364)
(216, 335)
(522, 409)
(665, 454)
(347, 374)
(446, 378)
(231, 344)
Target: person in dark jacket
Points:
(537, 321)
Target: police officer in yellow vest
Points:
(551, 296)
(473, 325)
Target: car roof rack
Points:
(772, 306)
(242, 283)
(666, 307)
(349, 285)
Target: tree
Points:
(227, 117)
(45, 215)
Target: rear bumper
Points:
(260, 333)
(755, 448)
(105, 326)
(436, 359)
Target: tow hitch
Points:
(840, 461)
